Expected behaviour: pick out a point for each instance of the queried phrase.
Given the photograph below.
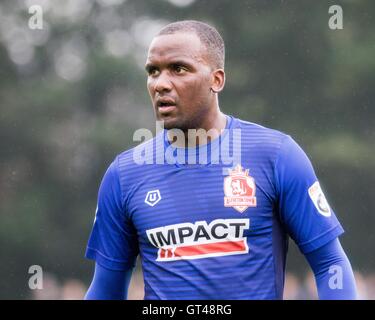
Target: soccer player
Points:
(210, 228)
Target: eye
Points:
(179, 69)
(153, 72)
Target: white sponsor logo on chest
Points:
(197, 240)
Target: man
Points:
(209, 229)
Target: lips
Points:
(165, 105)
(166, 109)
(165, 102)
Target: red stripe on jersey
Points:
(217, 247)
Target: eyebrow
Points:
(149, 66)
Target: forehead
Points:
(178, 46)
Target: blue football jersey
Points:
(212, 229)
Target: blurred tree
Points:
(72, 94)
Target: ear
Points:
(218, 80)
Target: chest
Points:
(172, 197)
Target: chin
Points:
(175, 122)
(169, 122)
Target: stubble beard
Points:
(184, 124)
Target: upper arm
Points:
(113, 241)
(303, 209)
(333, 272)
(109, 284)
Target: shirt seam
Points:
(123, 198)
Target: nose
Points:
(163, 83)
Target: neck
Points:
(206, 132)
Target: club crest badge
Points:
(239, 189)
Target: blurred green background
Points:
(73, 93)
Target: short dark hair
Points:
(207, 34)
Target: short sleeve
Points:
(303, 208)
(113, 241)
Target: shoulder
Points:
(256, 128)
(135, 163)
(263, 138)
